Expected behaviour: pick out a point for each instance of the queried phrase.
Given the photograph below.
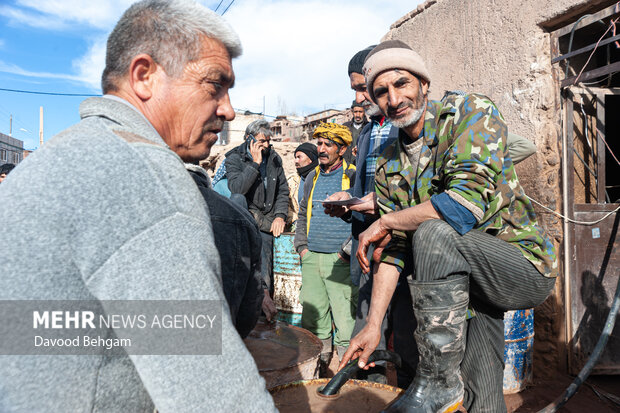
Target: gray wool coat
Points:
(105, 210)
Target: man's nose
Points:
(359, 97)
(225, 108)
(394, 98)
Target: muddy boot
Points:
(326, 357)
(440, 308)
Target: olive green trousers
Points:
(327, 296)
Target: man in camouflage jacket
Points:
(454, 215)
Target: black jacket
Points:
(238, 242)
(244, 178)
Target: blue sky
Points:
(295, 54)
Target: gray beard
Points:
(416, 114)
(372, 110)
(413, 118)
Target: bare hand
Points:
(362, 346)
(301, 254)
(277, 227)
(337, 210)
(269, 308)
(375, 234)
(256, 150)
(369, 206)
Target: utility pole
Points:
(11, 125)
(40, 126)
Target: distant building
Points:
(287, 128)
(11, 150)
(297, 129)
(233, 131)
(329, 115)
(326, 115)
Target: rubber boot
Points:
(440, 308)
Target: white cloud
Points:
(63, 14)
(14, 69)
(294, 51)
(20, 17)
(300, 50)
(90, 66)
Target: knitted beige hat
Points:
(392, 54)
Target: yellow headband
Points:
(334, 132)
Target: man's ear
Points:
(342, 150)
(143, 74)
(424, 85)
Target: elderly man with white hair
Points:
(106, 211)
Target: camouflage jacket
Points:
(463, 153)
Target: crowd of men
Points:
(411, 224)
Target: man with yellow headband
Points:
(327, 293)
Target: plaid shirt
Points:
(377, 143)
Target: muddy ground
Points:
(544, 391)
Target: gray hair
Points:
(169, 31)
(260, 126)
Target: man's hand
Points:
(302, 253)
(337, 210)
(277, 227)
(362, 346)
(269, 308)
(256, 150)
(370, 205)
(376, 234)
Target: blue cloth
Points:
(219, 174)
(221, 187)
(326, 234)
(455, 214)
(219, 181)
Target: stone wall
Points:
(501, 48)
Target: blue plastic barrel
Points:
(286, 280)
(518, 349)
